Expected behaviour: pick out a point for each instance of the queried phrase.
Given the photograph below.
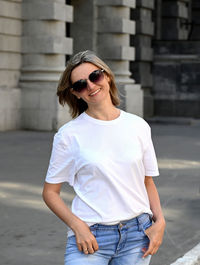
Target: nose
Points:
(90, 85)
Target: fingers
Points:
(88, 246)
(152, 249)
(85, 250)
(155, 235)
(95, 245)
(88, 249)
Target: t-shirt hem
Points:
(109, 222)
(57, 181)
(152, 174)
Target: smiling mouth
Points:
(95, 92)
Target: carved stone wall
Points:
(10, 64)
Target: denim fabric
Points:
(119, 244)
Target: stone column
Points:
(142, 41)
(157, 17)
(114, 27)
(175, 16)
(83, 28)
(10, 63)
(44, 47)
(195, 34)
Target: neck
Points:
(103, 112)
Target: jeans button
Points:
(120, 225)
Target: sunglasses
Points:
(95, 77)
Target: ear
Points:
(108, 78)
(76, 94)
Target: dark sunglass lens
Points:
(79, 85)
(96, 76)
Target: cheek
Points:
(108, 82)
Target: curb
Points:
(173, 120)
(192, 257)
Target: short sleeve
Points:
(62, 164)
(149, 158)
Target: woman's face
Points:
(96, 92)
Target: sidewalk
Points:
(30, 234)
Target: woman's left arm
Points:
(156, 231)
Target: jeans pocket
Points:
(146, 224)
(93, 231)
(71, 240)
(71, 246)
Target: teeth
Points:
(95, 92)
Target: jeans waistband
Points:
(134, 221)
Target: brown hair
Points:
(77, 106)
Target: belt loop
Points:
(95, 225)
(140, 226)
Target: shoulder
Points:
(141, 128)
(70, 125)
(69, 129)
(136, 120)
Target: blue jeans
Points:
(119, 244)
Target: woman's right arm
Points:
(85, 240)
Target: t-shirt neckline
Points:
(103, 122)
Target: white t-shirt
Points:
(106, 163)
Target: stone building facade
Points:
(152, 46)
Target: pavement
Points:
(31, 235)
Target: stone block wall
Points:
(36, 39)
(141, 67)
(195, 34)
(176, 61)
(175, 16)
(44, 47)
(83, 28)
(114, 28)
(105, 27)
(177, 79)
(10, 64)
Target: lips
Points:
(95, 92)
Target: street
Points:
(31, 235)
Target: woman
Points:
(107, 156)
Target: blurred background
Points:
(153, 48)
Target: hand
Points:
(85, 240)
(155, 234)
